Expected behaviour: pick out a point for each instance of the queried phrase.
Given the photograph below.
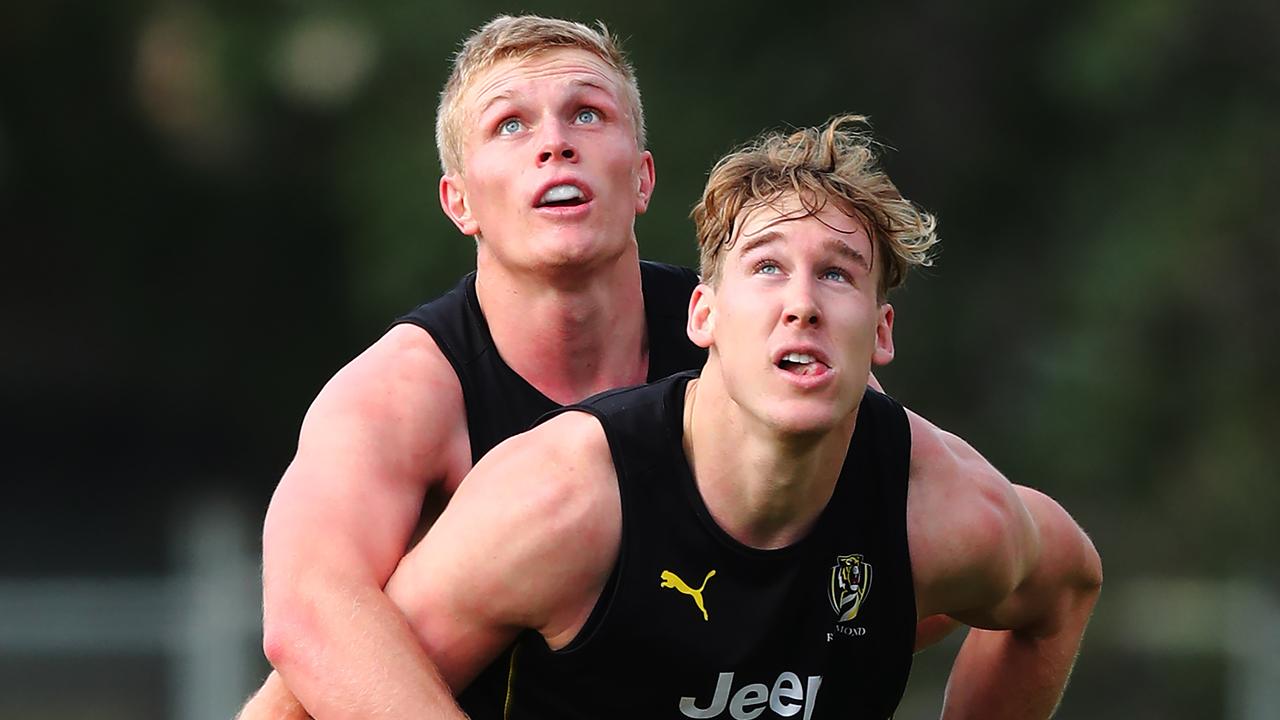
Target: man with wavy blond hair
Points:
(828, 523)
(836, 166)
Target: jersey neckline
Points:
(673, 405)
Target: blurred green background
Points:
(208, 207)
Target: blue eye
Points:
(586, 116)
(834, 274)
(510, 126)
(768, 267)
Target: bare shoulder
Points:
(966, 526)
(557, 480)
(528, 541)
(400, 401)
(571, 446)
(402, 369)
(984, 550)
(388, 428)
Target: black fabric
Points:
(772, 644)
(499, 402)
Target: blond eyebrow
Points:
(504, 95)
(577, 83)
(832, 244)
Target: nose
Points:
(800, 308)
(555, 147)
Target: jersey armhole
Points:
(600, 611)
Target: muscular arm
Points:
(385, 430)
(527, 542)
(1016, 661)
(1009, 562)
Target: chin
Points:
(805, 422)
(582, 251)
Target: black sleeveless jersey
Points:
(693, 624)
(499, 402)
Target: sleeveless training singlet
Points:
(499, 402)
(693, 624)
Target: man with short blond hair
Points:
(541, 139)
(517, 38)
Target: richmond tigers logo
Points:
(850, 583)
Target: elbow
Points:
(1089, 579)
(293, 616)
(304, 613)
(1084, 588)
(275, 645)
(1080, 585)
(1080, 563)
(278, 642)
(288, 627)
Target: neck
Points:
(570, 332)
(765, 488)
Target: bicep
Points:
(526, 543)
(984, 551)
(1065, 565)
(970, 537)
(374, 441)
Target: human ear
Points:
(453, 200)
(702, 315)
(646, 179)
(883, 353)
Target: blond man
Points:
(541, 138)
(762, 538)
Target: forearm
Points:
(1009, 674)
(351, 654)
(273, 701)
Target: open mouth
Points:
(562, 196)
(802, 364)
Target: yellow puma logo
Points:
(671, 580)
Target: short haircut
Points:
(516, 38)
(836, 163)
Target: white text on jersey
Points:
(786, 698)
